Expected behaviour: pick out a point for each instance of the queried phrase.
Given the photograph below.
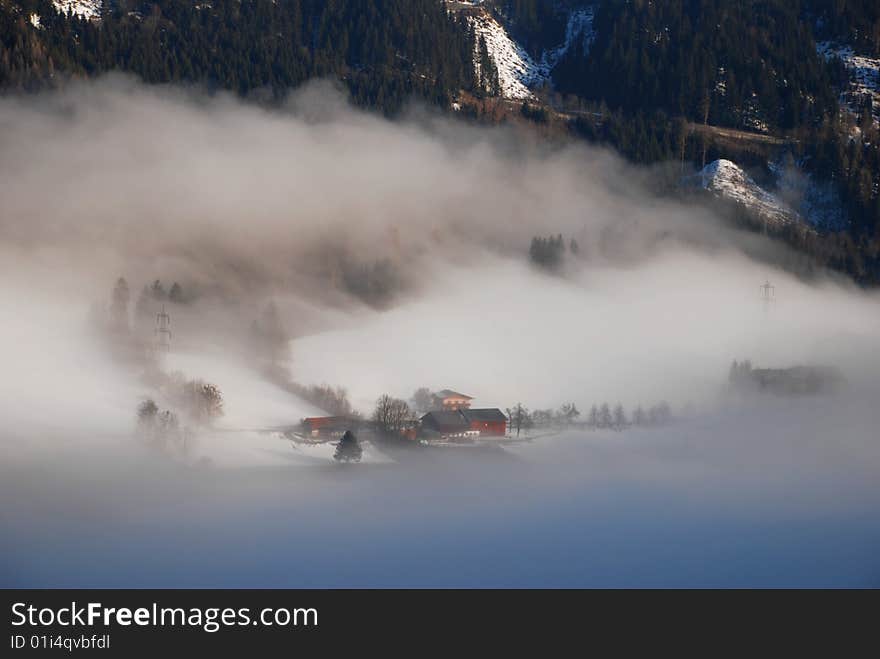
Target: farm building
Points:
(328, 427)
(465, 423)
(446, 399)
(448, 423)
(797, 380)
(490, 422)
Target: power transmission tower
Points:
(163, 330)
(768, 294)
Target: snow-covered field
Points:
(518, 71)
(244, 449)
(252, 406)
(864, 74)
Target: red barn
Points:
(466, 423)
(489, 422)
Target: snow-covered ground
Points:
(794, 197)
(518, 71)
(864, 76)
(241, 449)
(243, 437)
(726, 179)
(84, 8)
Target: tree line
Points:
(549, 253)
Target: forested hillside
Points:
(385, 50)
(748, 64)
(856, 22)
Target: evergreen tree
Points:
(119, 304)
(593, 417)
(348, 449)
(620, 421)
(175, 294)
(605, 419)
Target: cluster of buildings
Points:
(451, 419)
(796, 380)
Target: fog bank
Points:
(396, 256)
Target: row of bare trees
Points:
(520, 418)
(602, 416)
(605, 417)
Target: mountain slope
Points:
(727, 180)
(518, 72)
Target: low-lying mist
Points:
(395, 255)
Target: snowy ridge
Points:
(517, 70)
(727, 180)
(87, 9)
(864, 76)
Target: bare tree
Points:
(119, 304)
(392, 415)
(168, 424)
(568, 413)
(147, 415)
(660, 414)
(200, 400)
(519, 417)
(333, 400)
(422, 399)
(542, 417)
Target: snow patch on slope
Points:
(727, 180)
(796, 197)
(517, 70)
(87, 9)
(864, 76)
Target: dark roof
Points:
(445, 419)
(487, 414)
(449, 393)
